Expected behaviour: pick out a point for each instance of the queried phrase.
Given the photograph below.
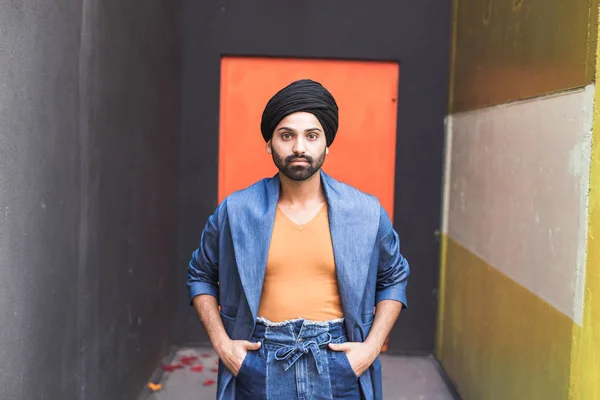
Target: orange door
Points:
(363, 153)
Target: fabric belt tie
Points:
(292, 353)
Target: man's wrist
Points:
(374, 347)
(220, 344)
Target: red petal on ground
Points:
(198, 368)
(215, 370)
(209, 382)
(171, 367)
(189, 360)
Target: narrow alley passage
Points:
(124, 124)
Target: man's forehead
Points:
(306, 122)
(301, 120)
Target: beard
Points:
(298, 172)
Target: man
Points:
(297, 264)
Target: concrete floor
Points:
(404, 378)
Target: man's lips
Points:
(299, 161)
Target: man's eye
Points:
(312, 136)
(286, 136)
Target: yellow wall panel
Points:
(506, 50)
(500, 341)
(585, 374)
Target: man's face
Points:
(298, 146)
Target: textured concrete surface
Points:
(518, 192)
(88, 128)
(404, 378)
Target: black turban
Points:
(304, 95)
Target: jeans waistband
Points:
(300, 326)
(292, 339)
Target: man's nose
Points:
(299, 147)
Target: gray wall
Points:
(88, 122)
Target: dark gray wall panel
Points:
(88, 141)
(39, 198)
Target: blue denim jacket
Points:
(231, 260)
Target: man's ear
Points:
(269, 149)
(326, 150)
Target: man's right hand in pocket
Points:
(233, 352)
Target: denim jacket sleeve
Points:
(392, 269)
(203, 268)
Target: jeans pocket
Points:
(348, 365)
(243, 366)
(251, 378)
(341, 362)
(340, 359)
(344, 382)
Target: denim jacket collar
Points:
(251, 219)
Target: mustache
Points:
(289, 159)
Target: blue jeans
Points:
(295, 362)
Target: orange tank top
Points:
(300, 278)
